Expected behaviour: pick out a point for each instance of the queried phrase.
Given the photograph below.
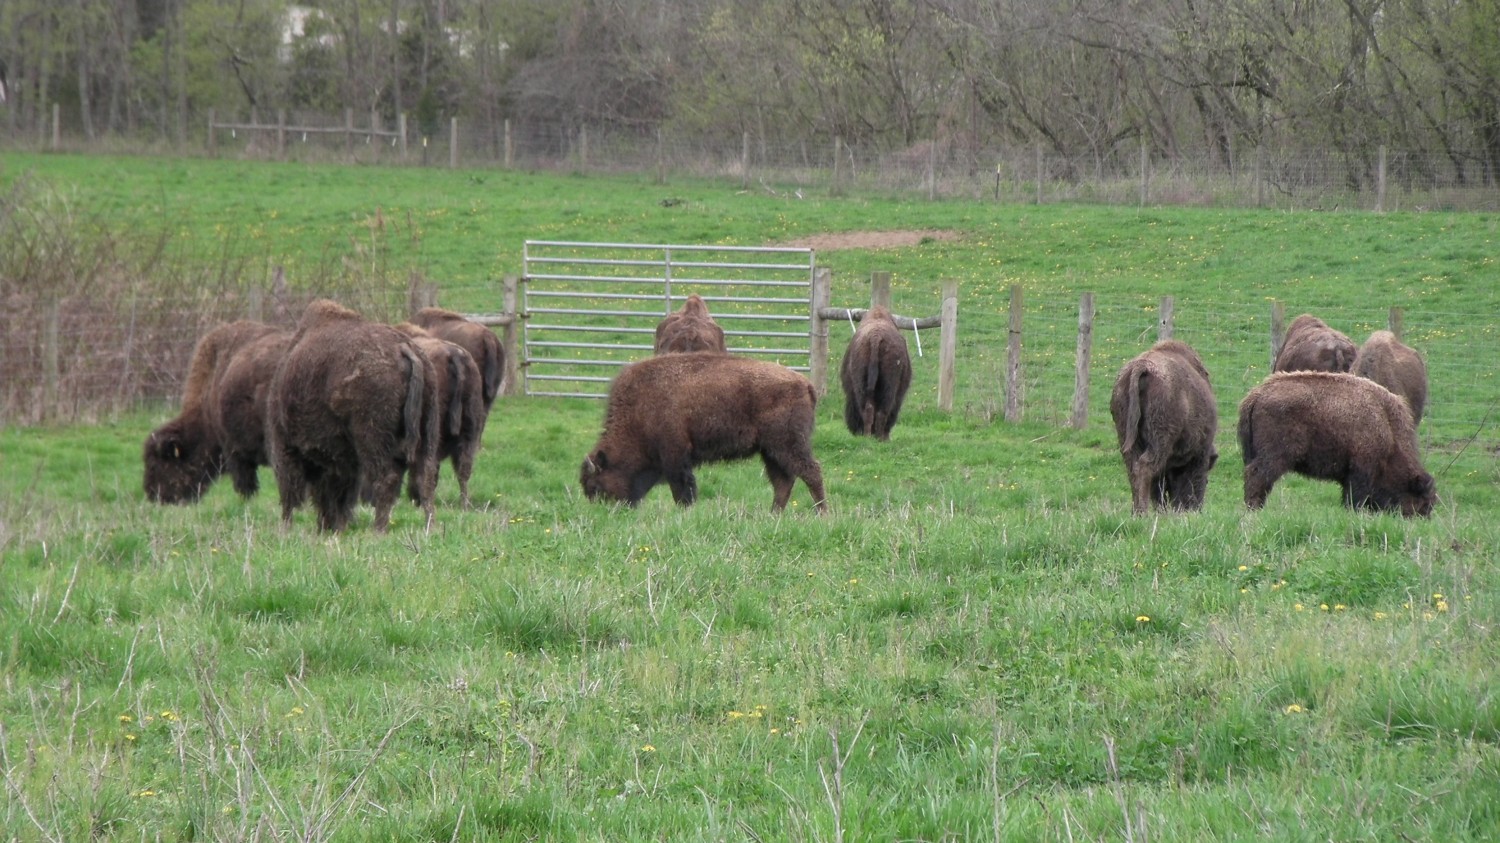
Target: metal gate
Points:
(590, 308)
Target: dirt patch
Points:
(872, 239)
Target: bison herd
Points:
(341, 408)
(1329, 411)
(344, 409)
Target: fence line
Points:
(932, 168)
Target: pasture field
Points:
(978, 642)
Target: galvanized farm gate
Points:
(590, 308)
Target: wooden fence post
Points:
(1278, 331)
(932, 170)
(1164, 326)
(1145, 172)
(1080, 415)
(349, 133)
(56, 127)
(280, 134)
(452, 143)
(213, 146)
(1013, 359)
(401, 134)
(510, 334)
(51, 370)
(838, 155)
(1380, 182)
(1393, 321)
(1039, 173)
(583, 149)
(661, 157)
(822, 291)
(509, 154)
(744, 161)
(948, 347)
(880, 289)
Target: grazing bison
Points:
(1339, 427)
(1166, 418)
(351, 399)
(222, 422)
(876, 373)
(460, 398)
(477, 339)
(1311, 346)
(670, 413)
(1395, 366)
(689, 329)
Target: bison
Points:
(1166, 418)
(222, 422)
(876, 373)
(460, 398)
(1339, 427)
(351, 399)
(689, 329)
(1311, 346)
(477, 339)
(670, 413)
(1395, 366)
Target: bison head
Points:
(180, 466)
(1421, 494)
(603, 478)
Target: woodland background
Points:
(1072, 91)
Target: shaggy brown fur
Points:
(460, 397)
(186, 455)
(477, 339)
(1311, 346)
(689, 329)
(670, 413)
(1166, 418)
(351, 399)
(876, 373)
(1395, 366)
(1339, 427)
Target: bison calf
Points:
(1311, 346)
(1166, 418)
(689, 329)
(477, 339)
(670, 413)
(1395, 366)
(222, 423)
(1339, 427)
(875, 374)
(352, 400)
(461, 415)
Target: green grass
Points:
(978, 642)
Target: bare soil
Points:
(871, 239)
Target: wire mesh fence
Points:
(1125, 173)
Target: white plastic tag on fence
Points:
(918, 332)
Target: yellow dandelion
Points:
(1244, 567)
(1298, 606)
(648, 748)
(1323, 606)
(1339, 607)
(130, 737)
(735, 715)
(1294, 709)
(169, 715)
(296, 711)
(1380, 616)
(1442, 606)
(1142, 618)
(854, 580)
(145, 793)
(125, 718)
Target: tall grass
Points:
(978, 642)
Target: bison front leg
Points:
(385, 488)
(684, 485)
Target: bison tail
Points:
(1133, 409)
(454, 413)
(412, 411)
(494, 370)
(1244, 431)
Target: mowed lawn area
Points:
(977, 642)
